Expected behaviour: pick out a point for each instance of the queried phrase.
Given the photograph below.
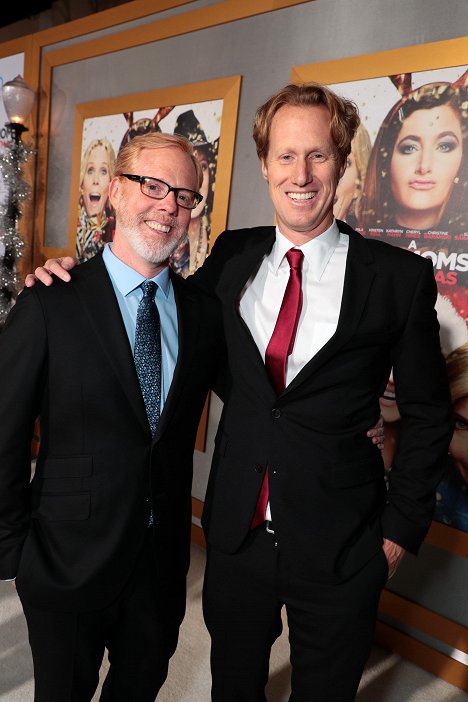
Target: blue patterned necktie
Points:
(147, 352)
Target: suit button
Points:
(276, 413)
(258, 468)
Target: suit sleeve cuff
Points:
(397, 528)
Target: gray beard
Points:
(153, 251)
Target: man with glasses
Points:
(117, 365)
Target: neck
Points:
(298, 238)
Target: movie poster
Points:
(406, 183)
(102, 138)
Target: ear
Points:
(114, 191)
(264, 170)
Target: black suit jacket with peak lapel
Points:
(73, 535)
(328, 496)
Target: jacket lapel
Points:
(188, 323)
(96, 292)
(359, 276)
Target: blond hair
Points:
(344, 117)
(154, 140)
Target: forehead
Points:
(432, 121)
(165, 162)
(98, 153)
(305, 126)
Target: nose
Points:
(424, 164)
(169, 203)
(302, 172)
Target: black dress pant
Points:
(330, 626)
(140, 630)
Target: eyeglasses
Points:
(158, 190)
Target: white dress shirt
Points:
(323, 271)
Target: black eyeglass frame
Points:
(142, 179)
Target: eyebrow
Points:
(415, 137)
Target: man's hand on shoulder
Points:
(57, 266)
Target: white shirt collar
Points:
(317, 252)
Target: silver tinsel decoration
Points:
(11, 244)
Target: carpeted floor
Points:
(387, 677)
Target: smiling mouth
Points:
(298, 197)
(157, 227)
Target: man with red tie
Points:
(297, 512)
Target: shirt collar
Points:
(126, 279)
(317, 252)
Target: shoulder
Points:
(94, 266)
(237, 239)
(230, 246)
(60, 292)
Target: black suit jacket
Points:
(328, 497)
(73, 535)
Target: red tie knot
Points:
(295, 258)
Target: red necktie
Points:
(279, 348)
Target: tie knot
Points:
(295, 258)
(149, 288)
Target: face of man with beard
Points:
(148, 230)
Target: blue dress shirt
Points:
(126, 282)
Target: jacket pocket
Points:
(60, 489)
